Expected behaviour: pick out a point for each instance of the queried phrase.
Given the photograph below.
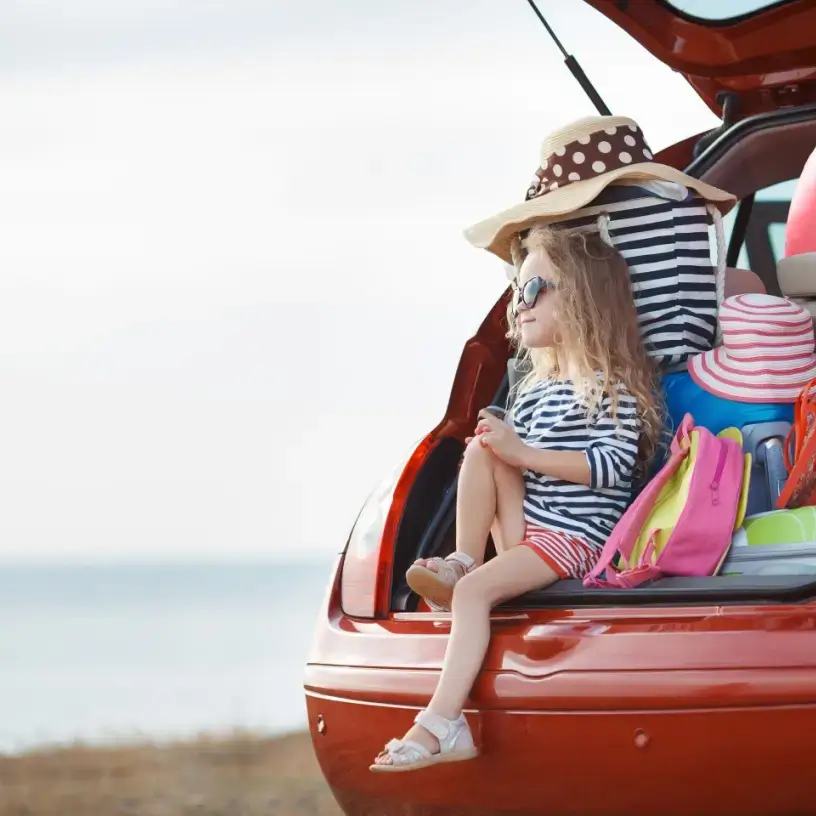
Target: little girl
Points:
(551, 481)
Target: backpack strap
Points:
(682, 439)
(629, 527)
(634, 576)
(631, 578)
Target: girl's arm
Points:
(606, 462)
(571, 466)
(611, 453)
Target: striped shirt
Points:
(550, 415)
(665, 242)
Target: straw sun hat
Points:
(577, 163)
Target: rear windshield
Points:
(721, 10)
(764, 240)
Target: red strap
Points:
(804, 408)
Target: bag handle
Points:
(682, 439)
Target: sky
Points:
(233, 282)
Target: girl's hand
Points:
(501, 439)
(481, 427)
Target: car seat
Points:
(742, 282)
(797, 278)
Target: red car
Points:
(687, 696)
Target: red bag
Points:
(800, 489)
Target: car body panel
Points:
(661, 762)
(651, 690)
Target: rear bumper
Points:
(745, 761)
(690, 710)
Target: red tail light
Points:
(365, 584)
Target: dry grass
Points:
(239, 775)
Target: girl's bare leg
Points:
(499, 580)
(490, 493)
(511, 573)
(489, 498)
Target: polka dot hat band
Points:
(590, 155)
(577, 163)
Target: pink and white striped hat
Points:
(767, 353)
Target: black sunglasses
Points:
(529, 293)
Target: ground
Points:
(238, 775)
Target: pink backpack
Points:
(683, 520)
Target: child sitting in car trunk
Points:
(552, 480)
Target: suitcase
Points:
(765, 441)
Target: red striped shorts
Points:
(568, 556)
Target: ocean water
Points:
(111, 653)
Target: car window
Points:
(764, 242)
(721, 9)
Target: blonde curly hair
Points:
(597, 327)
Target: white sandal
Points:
(455, 745)
(437, 587)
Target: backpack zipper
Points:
(715, 485)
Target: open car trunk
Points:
(437, 538)
(430, 528)
(427, 524)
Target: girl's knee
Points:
(470, 590)
(476, 452)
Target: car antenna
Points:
(574, 67)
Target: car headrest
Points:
(742, 282)
(797, 275)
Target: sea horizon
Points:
(125, 560)
(146, 650)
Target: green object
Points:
(796, 526)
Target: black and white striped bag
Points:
(662, 231)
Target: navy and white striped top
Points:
(551, 415)
(665, 242)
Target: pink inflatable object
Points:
(800, 235)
